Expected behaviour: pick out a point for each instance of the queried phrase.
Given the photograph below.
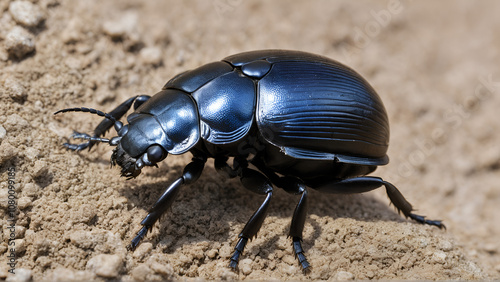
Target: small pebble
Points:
(4, 269)
(490, 248)
(439, 257)
(21, 275)
(3, 132)
(20, 231)
(151, 56)
(14, 89)
(162, 269)
(26, 13)
(122, 27)
(4, 204)
(103, 265)
(142, 250)
(73, 31)
(7, 152)
(67, 274)
(212, 253)
(125, 29)
(141, 272)
(31, 153)
(24, 202)
(82, 239)
(19, 42)
(344, 275)
(20, 245)
(16, 122)
(245, 266)
(445, 245)
(40, 168)
(30, 190)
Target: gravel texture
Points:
(434, 64)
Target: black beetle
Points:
(302, 120)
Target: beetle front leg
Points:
(190, 174)
(224, 169)
(258, 183)
(106, 123)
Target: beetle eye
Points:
(156, 153)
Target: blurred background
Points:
(434, 64)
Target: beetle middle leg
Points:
(367, 183)
(190, 174)
(257, 183)
(295, 186)
(106, 124)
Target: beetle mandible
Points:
(302, 120)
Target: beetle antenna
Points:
(88, 110)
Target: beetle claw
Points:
(238, 250)
(137, 239)
(423, 220)
(299, 254)
(76, 147)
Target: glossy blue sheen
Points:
(256, 69)
(226, 106)
(321, 108)
(307, 106)
(191, 80)
(177, 123)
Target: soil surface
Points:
(434, 64)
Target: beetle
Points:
(301, 120)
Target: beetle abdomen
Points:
(319, 110)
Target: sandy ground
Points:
(435, 65)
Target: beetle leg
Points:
(190, 174)
(258, 183)
(295, 186)
(297, 227)
(368, 183)
(106, 124)
(221, 166)
(406, 208)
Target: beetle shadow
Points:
(209, 209)
(190, 219)
(360, 207)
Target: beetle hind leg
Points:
(406, 208)
(367, 183)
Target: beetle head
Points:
(134, 148)
(167, 124)
(131, 167)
